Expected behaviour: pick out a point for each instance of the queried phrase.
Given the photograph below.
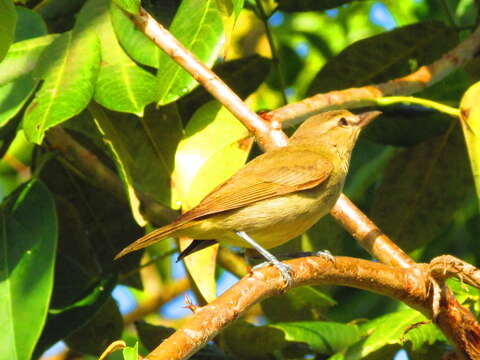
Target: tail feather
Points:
(152, 237)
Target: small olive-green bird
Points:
(276, 196)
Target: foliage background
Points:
(82, 65)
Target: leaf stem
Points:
(390, 100)
(273, 49)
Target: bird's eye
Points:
(342, 122)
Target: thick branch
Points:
(394, 282)
(424, 77)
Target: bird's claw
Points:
(285, 270)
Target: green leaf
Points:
(229, 11)
(197, 25)
(13, 96)
(385, 56)
(22, 57)
(243, 76)
(62, 322)
(121, 85)
(392, 330)
(261, 340)
(309, 5)
(130, 353)
(322, 337)
(136, 44)
(8, 20)
(29, 236)
(151, 335)
(29, 24)
(406, 126)
(470, 120)
(214, 147)
(69, 68)
(304, 303)
(101, 330)
(422, 188)
(137, 143)
(131, 6)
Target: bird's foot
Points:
(285, 270)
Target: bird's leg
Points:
(271, 259)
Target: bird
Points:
(275, 197)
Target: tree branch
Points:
(425, 76)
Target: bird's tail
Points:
(153, 237)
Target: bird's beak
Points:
(367, 117)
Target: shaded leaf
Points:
(140, 142)
(8, 20)
(121, 85)
(29, 24)
(322, 337)
(13, 96)
(29, 236)
(243, 76)
(62, 322)
(69, 68)
(22, 57)
(197, 25)
(261, 340)
(385, 56)
(104, 328)
(422, 188)
(131, 6)
(151, 335)
(304, 303)
(309, 5)
(406, 126)
(470, 120)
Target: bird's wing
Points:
(272, 174)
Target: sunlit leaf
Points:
(131, 6)
(22, 57)
(309, 5)
(470, 120)
(229, 11)
(197, 25)
(29, 236)
(121, 85)
(214, 147)
(69, 69)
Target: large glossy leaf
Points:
(309, 5)
(135, 43)
(385, 56)
(323, 337)
(29, 24)
(422, 188)
(197, 25)
(29, 236)
(121, 85)
(470, 120)
(391, 331)
(140, 142)
(8, 19)
(69, 68)
(214, 147)
(131, 6)
(13, 96)
(22, 57)
(100, 331)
